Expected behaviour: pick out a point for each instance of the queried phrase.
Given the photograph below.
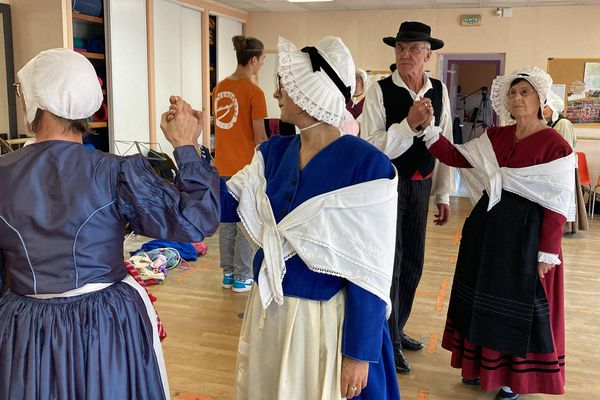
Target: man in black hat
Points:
(396, 109)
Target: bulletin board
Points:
(582, 94)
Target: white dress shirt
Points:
(399, 137)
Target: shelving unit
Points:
(86, 28)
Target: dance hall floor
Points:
(203, 321)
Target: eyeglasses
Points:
(523, 92)
(278, 83)
(17, 86)
(414, 50)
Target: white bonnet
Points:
(60, 81)
(365, 78)
(556, 104)
(315, 92)
(540, 80)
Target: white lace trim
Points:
(291, 67)
(540, 80)
(430, 135)
(550, 185)
(347, 233)
(548, 258)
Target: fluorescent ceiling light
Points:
(308, 1)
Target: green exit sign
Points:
(470, 20)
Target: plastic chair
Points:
(584, 178)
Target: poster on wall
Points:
(560, 89)
(592, 76)
(584, 111)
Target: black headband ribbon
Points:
(319, 63)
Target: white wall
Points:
(226, 60)
(266, 81)
(128, 60)
(177, 57)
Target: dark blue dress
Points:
(345, 162)
(63, 211)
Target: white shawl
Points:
(349, 232)
(550, 185)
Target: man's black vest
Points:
(397, 101)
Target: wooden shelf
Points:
(92, 56)
(95, 125)
(104, 92)
(88, 18)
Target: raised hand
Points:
(420, 113)
(181, 124)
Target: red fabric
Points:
(522, 375)
(132, 270)
(200, 247)
(539, 148)
(418, 177)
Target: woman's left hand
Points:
(354, 377)
(543, 268)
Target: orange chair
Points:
(584, 178)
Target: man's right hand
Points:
(420, 113)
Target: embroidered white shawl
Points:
(551, 185)
(349, 232)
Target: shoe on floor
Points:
(471, 382)
(227, 281)
(409, 343)
(240, 286)
(504, 395)
(401, 363)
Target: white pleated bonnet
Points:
(60, 81)
(315, 92)
(540, 80)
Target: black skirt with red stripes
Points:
(505, 325)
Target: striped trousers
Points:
(413, 206)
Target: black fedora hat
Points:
(414, 32)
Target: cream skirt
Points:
(292, 351)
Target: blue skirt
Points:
(93, 346)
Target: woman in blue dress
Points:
(73, 324)
(321, 209)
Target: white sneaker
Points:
(240, 286)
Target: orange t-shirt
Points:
(236, 103)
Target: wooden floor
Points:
(203, 321)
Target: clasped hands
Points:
(420, 114)
(181, 124)
(420, 118)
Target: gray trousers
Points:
(236, 252)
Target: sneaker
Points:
(240, 286)
(227, 281)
